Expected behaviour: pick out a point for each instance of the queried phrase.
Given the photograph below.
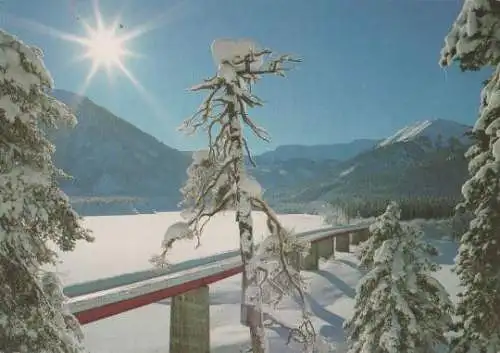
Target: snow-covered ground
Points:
(125, 243)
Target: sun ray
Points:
(88, 79)
(34, 26)
(129, 75)
(159, 113)
(102, 39)
(98, 33)
(97, 15)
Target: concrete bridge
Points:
(187, 284)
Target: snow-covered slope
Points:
(140, 236)
(434, 131)
(124, 243)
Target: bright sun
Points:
(105, 48)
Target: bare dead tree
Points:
(217, 181)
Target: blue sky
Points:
(370, 66)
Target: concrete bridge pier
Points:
(342, 242)
(311, 261)
(326, 248)
(190, 322)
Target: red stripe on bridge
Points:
(105, 311)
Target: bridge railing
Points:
(187, 284)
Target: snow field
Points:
(126, 243)
(132, 239)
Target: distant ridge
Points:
(433, 130)
(423, 159)
(334, 151)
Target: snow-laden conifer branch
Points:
(385, 226)
(474, 42)
(33, 209)
(474, 39)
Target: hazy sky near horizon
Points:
(370, 66)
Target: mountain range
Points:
(115, 165)
(403, 169)
(336, 151)
(117, 168)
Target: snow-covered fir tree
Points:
(218, 181)
(474, 42)
(53, 289)
(400, 307)
(385, 227)
(33, 210)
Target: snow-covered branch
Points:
(282, 251)
(474, 39)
